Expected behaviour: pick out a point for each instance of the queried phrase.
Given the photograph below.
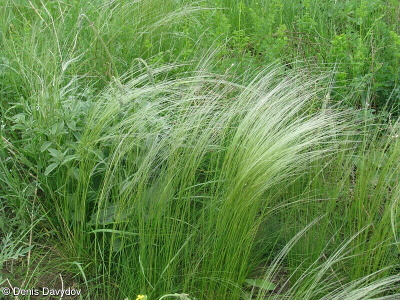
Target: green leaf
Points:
(55, 153)
(261, 283)
(104, 216)
(68, 158)
(99, 154)
(117, 244)
(45, 146)
(71, 124)
(114, 231)
(50, 168)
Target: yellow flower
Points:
(141, 297)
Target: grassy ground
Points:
(206, 150)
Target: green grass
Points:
(359, 39)
(152, 152)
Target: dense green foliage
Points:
(358, 39)
(201, 147)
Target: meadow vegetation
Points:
(201, 150)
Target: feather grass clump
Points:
(193, 166)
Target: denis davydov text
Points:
(44, 291)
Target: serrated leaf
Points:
(261, 284)
(50, 168)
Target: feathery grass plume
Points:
(55, 56)
(323, 280)
(159, 186)
(187, 169)
(357, 190)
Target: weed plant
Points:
(359, 39)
